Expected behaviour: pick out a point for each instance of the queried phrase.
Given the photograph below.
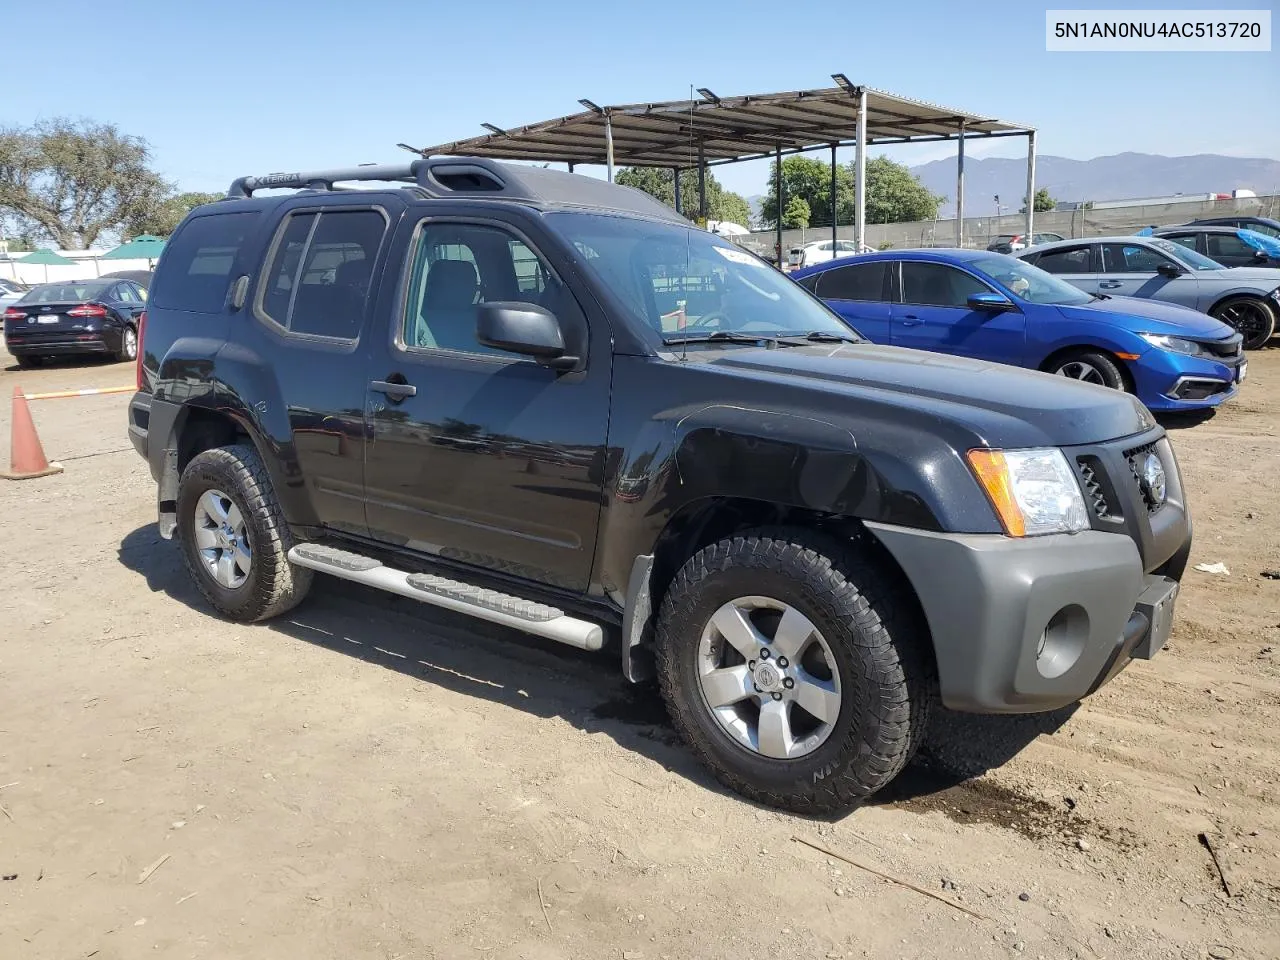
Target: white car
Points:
(822, 251)
(11, 292)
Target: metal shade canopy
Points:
(711, 130)
(142, 247)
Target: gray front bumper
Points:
(989, 598)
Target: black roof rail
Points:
(458, 177)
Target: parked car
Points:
(821, 251)
(79, 317)
(1245, 298)
(989, 306)
(1264, 225)
(1012, 242)
(1229, 246)
(808, 537)
(11, 291)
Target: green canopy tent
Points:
(142, 247)
(48, 258)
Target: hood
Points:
(1005, 406)
(1150, 316)
(1269, 275)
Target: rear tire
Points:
(1090, 366)
(128, 345)
(865, 668)
(1251, 317)
(27, 362)
(255, 581)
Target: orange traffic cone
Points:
(26, 456)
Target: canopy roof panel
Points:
(669, 134)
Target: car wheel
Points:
(1090, 366)
(1250, 317)
(27, 362)
(794, 668)
(128, 344)
(234, 537)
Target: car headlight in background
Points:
(1175, 344)
(1275, 294)
(1034, 492)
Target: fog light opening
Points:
(1062, 641)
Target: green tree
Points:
(163, 218)
(722, 204)
(72, 180)
(809, 179)
(795, 216)
(896, 195)
(1043, 203)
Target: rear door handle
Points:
(911, 321)
(394, 391)
(1110, 284)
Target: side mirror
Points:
(524, 328)
(990, 302)
(1169, 270)
(1261, 256)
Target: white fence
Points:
(88, 263)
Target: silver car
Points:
(1245, 298)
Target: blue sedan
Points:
(989, 306)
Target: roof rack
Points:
(475, 177)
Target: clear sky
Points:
(233, 88)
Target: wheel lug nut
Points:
(751, 664)
(777, 696)
(788, 683)
(782, 662)
(758, 690)
(764, 654)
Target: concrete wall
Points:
(1069, 223)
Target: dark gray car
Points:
(1245, 298)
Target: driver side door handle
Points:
(394, 391)
(911, 321)
(1110, 284)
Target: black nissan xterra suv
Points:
(549, 402)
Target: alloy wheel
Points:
(222, 539)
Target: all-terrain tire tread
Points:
(276, 585)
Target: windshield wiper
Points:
(720, 336)
(817, 336)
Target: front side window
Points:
(1227, 245)
(456, 267)
(318, 280)
(1187, 240)
(1132, 258)
(938, 285)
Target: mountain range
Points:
(1119, 177)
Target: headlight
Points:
(1175, 344)
(1034, 492)
(1275, 294)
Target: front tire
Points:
(234, 537)
(27, 362)
(1090, 366)
(1250, 317)
(794, 669)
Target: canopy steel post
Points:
(1031, 185)
(777, 169)
(860, 163)
(608, 144)
(833, 200)
(679, 207)
(571, 166)
(960, 188)
(702, 185)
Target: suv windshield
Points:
(683, 282)
(1188, 256)
(1030, 283)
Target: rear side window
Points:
(1070, 260)
(321, 269)
(1187, 240)
(858, 281)
(196, 267)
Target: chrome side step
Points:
(527, 615)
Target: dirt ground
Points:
(371, 779)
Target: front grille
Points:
(1093, 490)
(1228, 348)
(1135, 458)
